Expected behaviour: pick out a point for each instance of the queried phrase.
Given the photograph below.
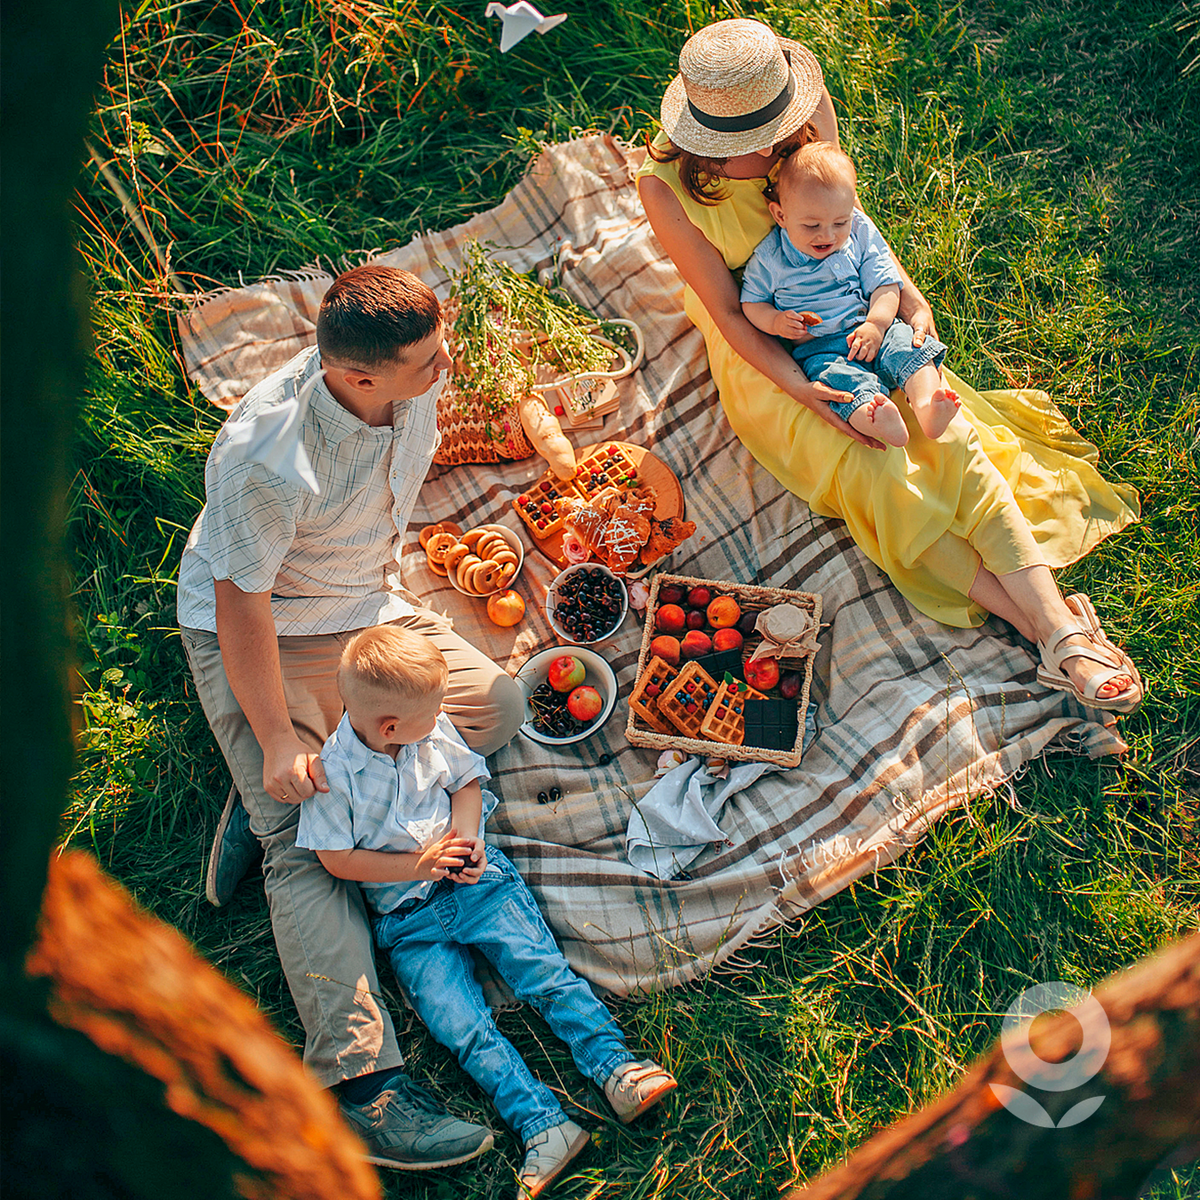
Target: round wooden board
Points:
(651, 469)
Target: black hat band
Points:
(752, 120)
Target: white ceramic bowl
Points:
(599, 675)
(552, 602)
(514, 540)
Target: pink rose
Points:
(639, 595)
(574, 551)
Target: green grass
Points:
(1035, 168)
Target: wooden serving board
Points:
(651, 470)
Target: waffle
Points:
(724, 722)
(771, 724)
(607, 466)
(686, 699)
(538, 506)
(655, 675)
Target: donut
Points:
(506, 555)
(438, 570)
(455, 555)
(489, 544)
(506, 572)
(439, 546)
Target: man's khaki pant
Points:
(320, 923)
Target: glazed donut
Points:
(438, 570)
(439, 546)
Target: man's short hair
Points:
(372, 314)
(820, 163)
(387, 662)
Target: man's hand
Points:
(292, 772)
(794, 325)
(474, 864)
(865, 341)
(447, 856)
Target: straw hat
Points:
(739, 89)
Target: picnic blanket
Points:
(913, 718)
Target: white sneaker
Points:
(636, 1086)
(546, 1154)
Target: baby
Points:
(404, 816)
(828, 258)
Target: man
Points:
(275, 578)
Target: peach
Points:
(667, 648)
(727, 639)
(695, 644)
(724, 612)
(670, 618)
(763, 673)
(699, 597)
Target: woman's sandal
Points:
(1079, 604)
(1055, 651)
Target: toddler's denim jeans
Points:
(426, 941)
(824, 359)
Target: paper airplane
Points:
(273, 439)
(520, 20)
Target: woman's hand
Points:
(915, 310)
(818, 396)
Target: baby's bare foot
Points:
(880, 418)
(937, 412)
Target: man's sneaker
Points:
(235, 851)
(546, 1155)
(636, 1086)
(404, 1127)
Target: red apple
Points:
(695, 644)
(670, 618)
(727, 639)
(699, 597)
(671, 594)
(565, 673)
(667, 648)
(763, 673)
(790, 685)
(585, 703)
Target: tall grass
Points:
(1034, 167)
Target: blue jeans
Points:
(426, 941)
(824, 359)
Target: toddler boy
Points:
(404, 816)
(827, 268)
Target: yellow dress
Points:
(1012, 486)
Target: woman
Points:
(939, 517)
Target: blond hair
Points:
(388, 662)
(819, 164)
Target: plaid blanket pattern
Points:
(914, 718)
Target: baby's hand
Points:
(444, 857)
(794, 325)
(474, 863)
(865, 341)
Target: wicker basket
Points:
(469, 435)
(751, 599)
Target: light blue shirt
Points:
(837, 288)
(400, 805)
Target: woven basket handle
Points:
(626, 366)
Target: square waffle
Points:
(537, 506)
(607, 466)
(687, 698)
(655, 676)
(724, 722)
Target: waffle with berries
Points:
(686, 699)
(644, 697)
(609, 465)
(538, 506)
(724, 721)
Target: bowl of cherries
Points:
(585, 603)
(569, 693)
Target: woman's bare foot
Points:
(935, 413)
(880, 418)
